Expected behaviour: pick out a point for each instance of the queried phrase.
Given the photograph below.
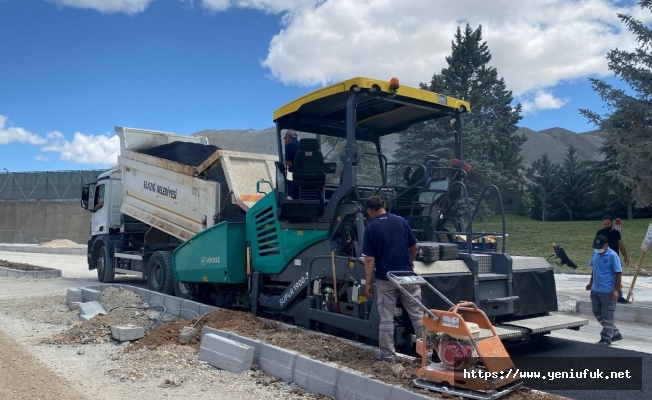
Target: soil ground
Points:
(319, 347)
(25, 378)
(22, 267)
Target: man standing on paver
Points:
(604, 285)
(291, 149)
(390, 245)
(616, 244)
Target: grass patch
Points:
(528, 237)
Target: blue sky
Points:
(71, 70)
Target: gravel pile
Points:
(193, 154)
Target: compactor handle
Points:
(465, 305)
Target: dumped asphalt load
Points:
(193, 154)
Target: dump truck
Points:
(149, 204)
(292, 248)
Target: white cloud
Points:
(83, 149)
(107, 6)
(9, 134)
(86, 149)
(535, 44)
(268, 6)
(543, 100)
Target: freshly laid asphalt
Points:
(562, 349)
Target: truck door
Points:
(98, 220)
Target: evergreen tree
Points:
(544, 175)
(628, 123)
(490, 143)
(576, 185)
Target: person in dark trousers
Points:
(604, 284)
(389, 245)
(616, 244)
(291, 149)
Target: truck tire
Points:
(182, 290)
(160, 277)
(104, 266)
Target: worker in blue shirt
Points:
(389, 245)
(604, 284)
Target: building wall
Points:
(43, 221)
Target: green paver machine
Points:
(298, 255)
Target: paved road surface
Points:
(554, 347)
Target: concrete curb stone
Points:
(91, 295)
(127, 333)
(50, 273)
(624, 312)
(277, 362)
(226, 354)
(73, 296)
(315, 376)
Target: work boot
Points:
(381, 357)
(604, 342)
(623, 300)
(617, 337)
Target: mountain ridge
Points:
(554, 142)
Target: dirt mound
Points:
(60, 243)
(22, 267)
(319, 347)
(123, 307)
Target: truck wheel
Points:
(104, 266)
(182, 290)
(160, 277)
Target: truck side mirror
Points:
(258, 186)
(84, 197)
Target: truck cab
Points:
(104, 199)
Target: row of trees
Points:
(573, 190)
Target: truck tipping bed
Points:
(182, 199)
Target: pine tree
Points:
(576, 185)
(490, 143)
(628, 122)
(544, 175)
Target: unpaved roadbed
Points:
(103, 370)
(24, 377)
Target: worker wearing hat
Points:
(604, 284)
(291, 149)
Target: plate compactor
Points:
(473, 362)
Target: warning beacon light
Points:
(393, 84)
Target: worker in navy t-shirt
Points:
(604, 284)
(390, 245)
(616, 244)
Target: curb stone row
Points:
(312, 375)
(18, 273)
